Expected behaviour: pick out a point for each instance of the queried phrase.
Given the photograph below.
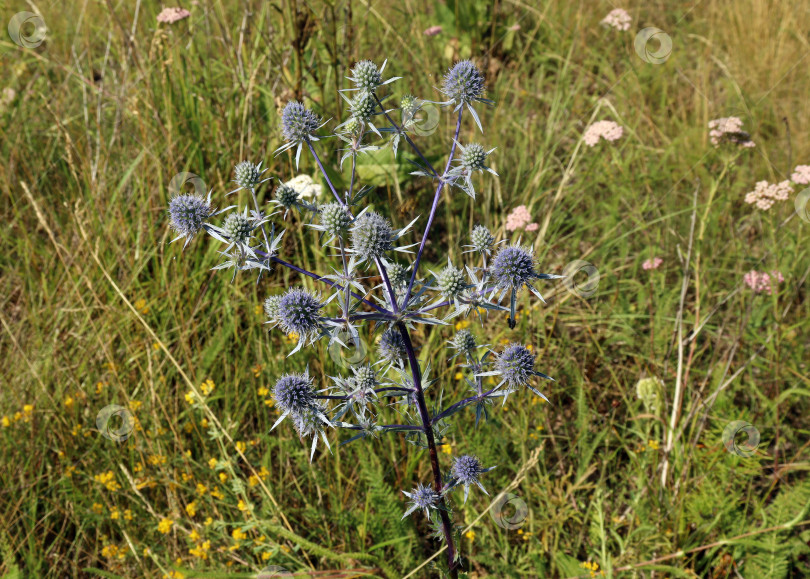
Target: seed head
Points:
(238, 227)
(452, 282)
(473, 157)
(335, 219)
(516, 365)
(287, 196)
(481, 239)
(299, 312)
(294, 393)
(366, 76)
(391, 346)
(464, 341)
(464, 82)
(467, 469)
(298, 122)
(372, 236)
(187, 213)
(247, 175)
(513, 267)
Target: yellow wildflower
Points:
(165, 526)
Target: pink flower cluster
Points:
(729, 130)
(801, 175)
(765, 195)
(761, 281)
(653, 263)
(607, 130)
(170, 15)
(618, 19)
(520, 218)
(433, 31)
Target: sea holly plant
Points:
(378, 286)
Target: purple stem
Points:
(433, 211)
(323, 172)
(416, 374)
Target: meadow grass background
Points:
(99, 309)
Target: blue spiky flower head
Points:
(298, 122)
(516, 365)
(372, 236)
(299, 313)
(391, 346)
(513, 267)
(294, 393)
(187, 214)
(467, 471)
(238, 227)
(464, 82)
(422, 497)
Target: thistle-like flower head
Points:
(294, 393)
(464, 342)
(513, 267)
(422, 497)
(452, 282)
(362, 106)
(187, 213)
(238, 227)
(398, 274)
(391, 346)
(298, 122)
(335, 219)
(365, 377)
(247, 175)
(309, 421)
(299, 313)
(473, 157)
(286, 196)
(366, 76)
(481, 240)
(408, 104)
(516, 365)
(372, 236)
(464, 82)
(467, 471)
